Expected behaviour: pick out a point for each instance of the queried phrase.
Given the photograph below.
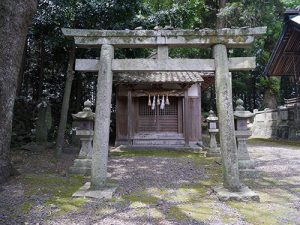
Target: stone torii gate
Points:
(221, 65)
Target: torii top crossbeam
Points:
(164, 39)
(232, 38)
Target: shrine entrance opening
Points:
(158, 119)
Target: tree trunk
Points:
(269, 100)
(220, 19)
(65, 105)
(15, 17)
(22, 69)
(41, 71)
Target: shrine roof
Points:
(160, 77)
(285, 58)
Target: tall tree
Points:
(65, 103)
(15, 17)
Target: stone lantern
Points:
(242, 133)
(85, 131)
(213, 149)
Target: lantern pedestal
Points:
(213, 150)
(86, 138)
(246, 165)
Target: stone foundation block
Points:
(81, 167)
(105, 192)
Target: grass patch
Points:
(274, 142)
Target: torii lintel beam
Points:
(154, 65)
(232, 38)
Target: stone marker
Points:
(242, 133)
(44, 122)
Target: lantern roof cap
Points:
(240, 111)
(212, 116)
(86, 113)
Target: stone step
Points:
(160, 135)
(158, 142)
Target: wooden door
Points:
(159, 120)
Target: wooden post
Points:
(226, 120)
(162, 52)
(129, 116)
(200, 113)
(65, 104)
(186, 118)
(102, 120)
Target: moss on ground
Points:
(189, 201)
(142, 197)
(25, 207)
(274, 206)
(195, 202)
(58, 190)
(154, 153)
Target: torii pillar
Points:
(102, 121)
(232, 188)
(226, 121)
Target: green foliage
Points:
(272, 83)
(46, 53)
(177, 13)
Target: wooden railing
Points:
(291, 101)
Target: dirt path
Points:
(155, 188)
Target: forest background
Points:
(43, 73)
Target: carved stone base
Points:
(81, 167)
(247, 169)
(248, 173)
(245, 194)
(213, 152)
(246, 164)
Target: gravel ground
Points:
(164, 178)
